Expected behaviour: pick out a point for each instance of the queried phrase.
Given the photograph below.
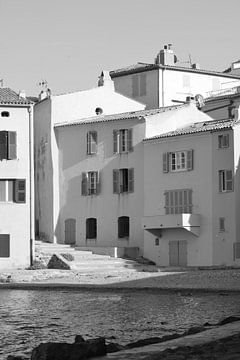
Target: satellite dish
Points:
(199, 100)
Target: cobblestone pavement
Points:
(142, 277)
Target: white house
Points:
(165, 82)
(192, 195)
(16, 180)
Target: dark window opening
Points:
(4, 245)
(5, 114)
(91, 228)
(123, 227)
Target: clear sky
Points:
(69, 42)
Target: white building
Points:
(165, 82)
(16, 180)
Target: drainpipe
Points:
(163, 86)
(31, 185)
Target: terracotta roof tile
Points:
(10, 97)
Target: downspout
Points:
(163, 87)
(31, 185)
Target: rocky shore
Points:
(219, 341)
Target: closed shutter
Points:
(135, 85)
(166, 162)
(229, 180)
(130, 135)
(116, 189)
(115, 141)
(93, 142)
(167, 202)
(12, 145)
(190, 160)
(131, 180)
(84, 184)
(88, 143)
(3, 144)
(143, 84)
(4, 245)
(20, 191)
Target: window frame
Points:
(123, 180)
(92, 142)
(168, 161)
(122, 141)
(225, 185)
(221, 224)
(8, 148)
(90, 183)
(91, 228)
(223, 141)
(123, 227)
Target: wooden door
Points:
(70, 231)
(178, 253)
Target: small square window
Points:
(223, 141)
(157, 242)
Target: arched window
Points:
(91, 228)
(123, 227)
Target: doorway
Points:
(70, 231)
(178, 253)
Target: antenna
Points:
(43, 84)
(199, 100)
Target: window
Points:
(178, 201)
(236, 250)
(178, 161)
(91, 142)
(5, 114)
(91, 183)
(225, 180)
(156, 241)
(13, 191)
(223, 141)
(123, 180)
(122, 141)
(139, 85)
(123, 227)
(8, 145)
(221, 224)
(4, 245)
(91, 228)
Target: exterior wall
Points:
(176, 85)
(123, 85)
(43, 169)
(236, 145)
(15, 217)
(223, 203)
(199, 248)
(106, 206)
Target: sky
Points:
(69, 42)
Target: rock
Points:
(57, 261)
(16, 357)
(228, 320)
(194, 330)
(64, 351)
(79, 339)
(114, 347)
(144, 342)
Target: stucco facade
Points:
(16, 180)
(206, 235)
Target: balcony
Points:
(189, 222)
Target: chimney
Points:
(196, 66)
(105, 80)
(166, 56)
(44, 94)
(190, 100)
(22, 94)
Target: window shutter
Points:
(93, 142)
(167, 202)
(12, 145)
(116, 189)
(166, 162)
(135, 81)
(84, 183)
(3, 144)
(143, 84)
(87, 228)
(115, 141)
(131, 180)
(88, 143)
(130, 135)
(190, 160)
(20, 191)
(229, 180)
(98, 183)
(226, 141)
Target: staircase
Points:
(85, 260)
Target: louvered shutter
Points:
(143, 84)
(115, 141)
(12, 145)
(93, 142)
(131, 180)
(98, 183)
(229, 180)
(130, 140)
(20, 191)
(88, 143)
(190, 160)
(116, 181)
(135, 85)
(167, 202)
(84, 184)
(166, 162)
(3, 145)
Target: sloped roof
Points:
(121, 116)
(141, 67)
(10, 97)
(200, 127)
